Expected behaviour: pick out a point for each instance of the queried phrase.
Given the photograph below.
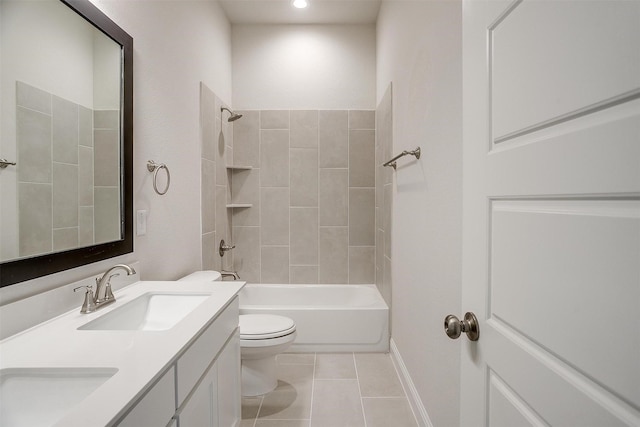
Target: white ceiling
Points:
(318, 12)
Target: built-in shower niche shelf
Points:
(239, 205)
(239, 168)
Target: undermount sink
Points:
(152, 311)
(37, 397)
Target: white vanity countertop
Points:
(139, 356)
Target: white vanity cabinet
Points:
(202, 387)
(156, 407)
(215, 399)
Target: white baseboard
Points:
(417, 407)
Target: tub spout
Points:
(233, 274)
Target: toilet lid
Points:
(262, 326)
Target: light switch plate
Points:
(141, 223)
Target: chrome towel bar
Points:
(392, 162)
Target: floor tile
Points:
(250, 407)
(336, 403)
(377, 375)
(282, 423)
(388, 411)
(335, 366)
(291, 400)
(296, 358)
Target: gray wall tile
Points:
(246, 135)
(304, 236)
(304, 176)
(85, 126)
(274, 216)
(362, 158)
(33, 135)
(36, 215)
(106, 119)
(245, 188)
(303, 274)
(304, 128)
(107, 214)
(362, 119)
(85, 176)
(361, 216)
(223, 222)
(33, 98)
(274, 119)
(334, 255)
(65, 238)
(334, 197)
(333, 139)
(246, 257)
(85, 226)
(210, 257)
(361, 264)
(274, 158)
(65, 196)
(208, 196)
(275, 264)
(65, 131)
(107, 158)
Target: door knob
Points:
(453, 327)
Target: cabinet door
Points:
(229, 383)
(157, 407)
(201, 409)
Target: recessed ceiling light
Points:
(300, 4)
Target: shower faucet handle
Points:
(223, 247)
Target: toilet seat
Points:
(265, 326)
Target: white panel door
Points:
(551, 255)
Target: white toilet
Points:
(262, 338)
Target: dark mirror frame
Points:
(20, 270)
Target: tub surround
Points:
(312, 192)
(141, 358)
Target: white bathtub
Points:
(329, 318)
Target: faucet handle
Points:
(88, 304)
(108, 294)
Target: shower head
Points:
(233, 117)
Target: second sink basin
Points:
(153, 311)
(37, 397)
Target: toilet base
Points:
(258, 376)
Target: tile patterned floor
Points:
(332, 390)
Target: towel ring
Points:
(154, 167)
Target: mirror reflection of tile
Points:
(68, 179)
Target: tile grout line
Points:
(255, 421)
(313, 384)
(355, 365)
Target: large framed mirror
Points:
(67, 123)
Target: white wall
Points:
(293, 67)
(419, 50)
(176, 45)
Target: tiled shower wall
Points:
(384, 195)
(217, 152)
(312, 195)
(65, 198)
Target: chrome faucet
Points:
(103, 295)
